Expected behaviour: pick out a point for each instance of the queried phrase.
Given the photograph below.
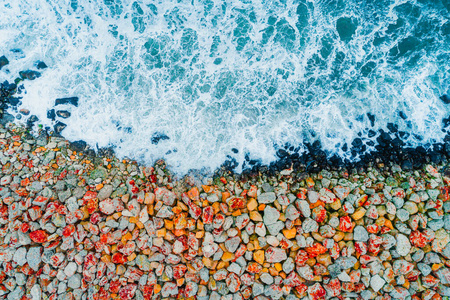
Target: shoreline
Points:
(78, 225)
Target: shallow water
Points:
(210, 76)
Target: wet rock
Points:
(63, 114)
(70, 100)
(3, 61)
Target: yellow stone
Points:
(161, 232)
(290, 233)
(336, 204)
(324, 259)
(157, 289)
(278, 266)
(258, 256)
(255, 216)
(338, 236)
(131, 257)
(222, 265)
(359, 213)
(252, 204)
(227, 256)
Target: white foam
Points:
(96, 54)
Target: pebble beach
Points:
(80, 226)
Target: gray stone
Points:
(403, 245)
(376, 283)
(271, 215)
(34, 258)
(266, 197)
(360, 234)
(70, 269)
(275, 228)
(105, 192)
(266, 278)
(74, 281)
(20, 257)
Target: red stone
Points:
(118, 258)
(39, 236)
(301, 258)
(127, 292)
(208, 214)
(418, 239)
(345, 224)
(316, 250)
(68, 230)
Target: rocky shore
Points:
(78, 226)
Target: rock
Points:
(3, 61)
(70, 269)
(74, 281)
(376, 283)
(304, 208)
(274, 255)
(105, 192)
(265, 198)
(20, 256)
(71, 100)
(29, 74)
(34, 257)
(360, 234)
(271, 215)
(63, 114)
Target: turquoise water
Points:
(217, 75)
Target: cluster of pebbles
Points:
(73, 226)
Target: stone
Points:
(34, 257)
(265, 198)
(105, 192)
(74, 281)
(271, 215)
(376, 283)
(70, 269)
(360, 234)
(274, 255)
(20, 256)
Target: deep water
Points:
(203, 82)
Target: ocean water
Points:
(194, 82)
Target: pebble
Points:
(271, 215)
(403, 245)
(268, 197)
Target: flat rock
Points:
(265, 198)
(403, 245)
(271, 215)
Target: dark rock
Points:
(51, 114)
(371, 119)
(3, 61)
(69, 100)
(41, 65)
(29, 74)
(6, 118)
(63, 114)
(79, 146)
(31, 120)
(445, 98)
(234, 150)
(392, 127)
(402, 115)
(59, 127)
(157, 137)
(13, 101)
